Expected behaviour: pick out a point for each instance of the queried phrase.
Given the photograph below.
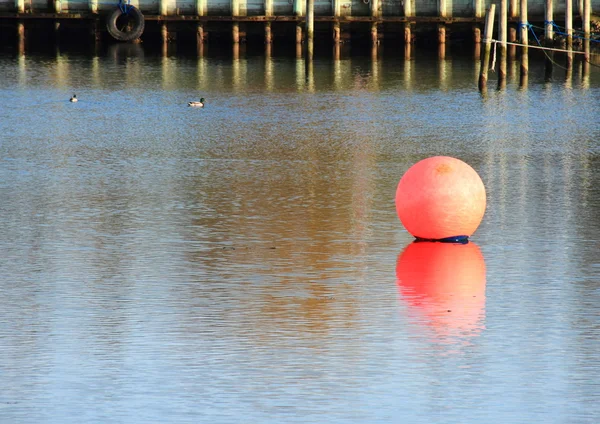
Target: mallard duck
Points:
(73, 99)
(197, 104)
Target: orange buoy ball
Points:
(440, 198)
(443, 285)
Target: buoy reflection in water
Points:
(443, 285)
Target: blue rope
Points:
(125, 7)
(558, 30)
(535, 36)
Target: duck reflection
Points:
(443, 285)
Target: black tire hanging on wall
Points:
(131, 30)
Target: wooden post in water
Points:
(587, 11)
(569, 31)
(299, 34)
(585, 72)
(57, 6)
(513, 13)
(408, 12)
(235, 27)
(268, 13)
(310, 28)
(502, 38)
(201, 6)
(524, 37)
(337, 30)
(163, 7)
(374, 14)
(20, 37)
(524, 24)
(478, 8)
(164, 36)
(569, 22)
(20, 6)
(298, 11)
(488, 31)
(548, 38)
(93, 6)
(548, 28)
(442, 27)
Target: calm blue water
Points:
(244, 262)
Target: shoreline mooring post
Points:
(586, 18)
(487, 39)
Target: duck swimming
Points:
(73, 99)
(197, 104)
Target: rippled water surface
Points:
(244, 262)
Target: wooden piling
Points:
(299, 35)
(569, 32)
(586, 18)
(310, 27)
(408, 12)
(374, 14)
(478, 8)
(268, 13)
(478, 13)
(476, 34)
(524, 78)
(235, 32)
(337, 33)
(164, 33)
(268, 33)
(93, 6)
(441, 34)
(569, 22)
(20, 6)
(235, 26)
(523, 24)
(487, 40)
(299, 7)
(337, 29)
(163, 7)
(57, 6)
(513, 13)
(502, 38)
(200, 34)
(548, 27)
(21, 37)
(374, 34)
(442, 27)
(201, 7)
(585, 71)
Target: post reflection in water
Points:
(443, 286)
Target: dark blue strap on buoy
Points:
(453, 239)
